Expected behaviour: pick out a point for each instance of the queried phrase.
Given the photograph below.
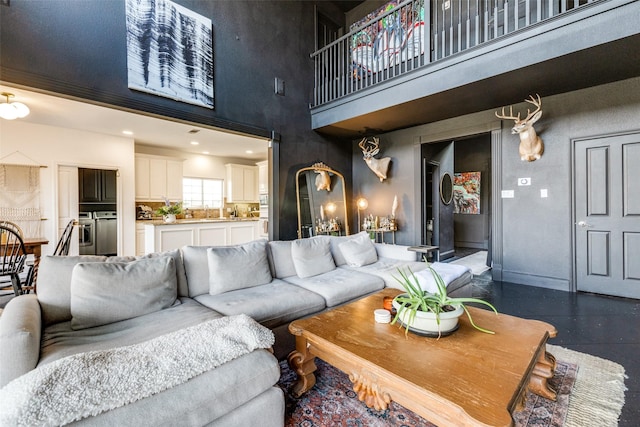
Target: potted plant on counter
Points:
(431, 314)
(169, 211)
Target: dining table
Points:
(33, 246)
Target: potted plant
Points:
(431, 314)
(169, 211)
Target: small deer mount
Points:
(531, 146)
(370, 147)
(323, 180)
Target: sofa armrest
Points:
(400, 252)
(20, 332)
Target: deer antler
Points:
(372, 151)
(510, 116)
(537, 103)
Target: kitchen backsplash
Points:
(243, 209)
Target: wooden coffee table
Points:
(466, 379)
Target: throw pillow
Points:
(238, 267)
(103, 293)
(54, 285)
(359, 251)
(280, 258)
(312, 256)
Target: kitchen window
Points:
(199, 192)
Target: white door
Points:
(607, 222)
(68, 203)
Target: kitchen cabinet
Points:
(157, 178)
(97, 186)
(160, 237)
(263, 177)
(139, 239)
(241, 183)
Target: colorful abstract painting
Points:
(169, 51)
(397, 37)
(466, 193)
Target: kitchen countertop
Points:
(193, 221)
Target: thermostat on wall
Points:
(524, 181)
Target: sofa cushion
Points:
(60, 340)
(340, 285)
(312, 257)
(196, 266)
(54, 285)
(387, 269)
(183, 288)
(336, 241)
(238, 267)
(103, 293)
(280, 259)
(272, 304)
(359, 251)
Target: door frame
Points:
(119, 190)
(573, 285)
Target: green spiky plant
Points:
(417, 299)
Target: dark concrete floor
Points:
(607, 327)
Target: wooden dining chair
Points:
(12, 258)
(62, 248)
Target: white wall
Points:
(53, 147)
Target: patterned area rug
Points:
(332, 402)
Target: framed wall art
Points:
(169, 51)
(466, 193)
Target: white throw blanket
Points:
(448, 272)
(87, 384)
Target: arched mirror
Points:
(446, 188)
(322, 203)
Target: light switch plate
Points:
(507, 194)
(544, 193)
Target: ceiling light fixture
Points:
(13, 110)
(249, 151)
(195, 143)
(127, 132)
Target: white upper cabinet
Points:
(241, 183)
(263, 177)
(157, 178)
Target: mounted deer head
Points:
(371, 147)
(531, 146)
(323, 180)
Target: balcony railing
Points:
(416, 33)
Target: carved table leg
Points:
(370, 392)
(543, 371)
(303, 363)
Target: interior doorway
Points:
(462, 227)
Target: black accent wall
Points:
(78, 49)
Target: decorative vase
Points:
(425, 323)
(169, 218)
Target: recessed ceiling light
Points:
(205, 152)
(127, 132)
(249, 151)
(195, 143)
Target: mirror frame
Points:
(446, 199)
(321, 167)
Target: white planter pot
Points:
(425, 322)
(169, 218)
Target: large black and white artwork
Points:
(170, 51)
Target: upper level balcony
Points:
(425, 61)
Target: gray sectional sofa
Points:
(97, 311)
